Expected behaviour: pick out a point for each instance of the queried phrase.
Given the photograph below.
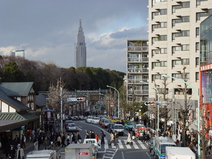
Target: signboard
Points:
(210, 132)
(149, 103)
(83, 153)
(111, 104)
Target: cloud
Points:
(47, 30)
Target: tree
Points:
(12, 73)
(54, 96)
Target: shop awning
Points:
(10, 121)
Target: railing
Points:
(138, 59)
(137, 92)
(137, 48)
(134, 81)
(137, 70)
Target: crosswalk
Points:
(122, 144)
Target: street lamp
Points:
(198, 106)
(157, 100)
(61, 109)
(118, 99)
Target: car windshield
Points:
(115, 118)
(90, 141)
(106, 121)
(130, 123)
(71, 124)
(118, 127)
(96, 118)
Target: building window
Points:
(197, 31)
(182, 19)
(155, 14)
(197, 61)
(163, 63)
(197, 76)
(163, 11)
(197, 46)
(159, 64)
(183, 33)
(163, 37)
(185, 47)
(203, 14)
(185, 61)
(176, 62)
(156, 76)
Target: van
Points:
(41, 154)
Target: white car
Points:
(89, 119)
(119, 128)
(95, 120)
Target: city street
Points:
(121, 151)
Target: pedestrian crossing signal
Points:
(149, 103)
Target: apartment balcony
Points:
(137, 81)
(138, 70)
(138, 48)
(138, 59)
(138, 92)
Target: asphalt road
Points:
(121, 151)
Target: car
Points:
(89, 119)
(141, 133)
(119, 128)
(139, 126)
(105, 123)
(95, 120)
(67, 122)
(101, 120)
(110, 127)
(129, 125)
(72, 127)
(113, 119)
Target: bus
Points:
(159, 145)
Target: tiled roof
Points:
(12, 102)
(16, 88)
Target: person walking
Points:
(68, 139)
(59, 140)
(87, 135)
(102, 137)
(112, 139)
(129, 138)
(23, 141)
(63, 140)
(19, 152)
(78, 137)
(11, 152)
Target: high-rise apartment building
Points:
(174, 45)
(80, 47)
(137, 70)
(20, 53)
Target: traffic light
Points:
(81, 99)
(149, 103)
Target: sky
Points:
(47, 29)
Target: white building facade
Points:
(174, 45)
(80, 47)
(137, 70)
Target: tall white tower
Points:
(80, 47)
